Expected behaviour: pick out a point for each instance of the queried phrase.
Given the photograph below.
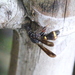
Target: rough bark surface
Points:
(11, 14)
(55, 15)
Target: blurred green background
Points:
(5, 49)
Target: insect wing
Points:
(47, 42)
(48, 52)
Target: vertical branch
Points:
(14, 54)
(24, 55)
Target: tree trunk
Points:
(26, 57)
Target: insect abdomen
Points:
(52, 36)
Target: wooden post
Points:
(26, 57)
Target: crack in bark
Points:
(65, 10)
(53, 7)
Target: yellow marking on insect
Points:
(33, 13)
(45, 38)
(54, 33)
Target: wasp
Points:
(39, 37)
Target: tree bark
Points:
(12, 14)
(26, 57)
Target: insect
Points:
(40, 37)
